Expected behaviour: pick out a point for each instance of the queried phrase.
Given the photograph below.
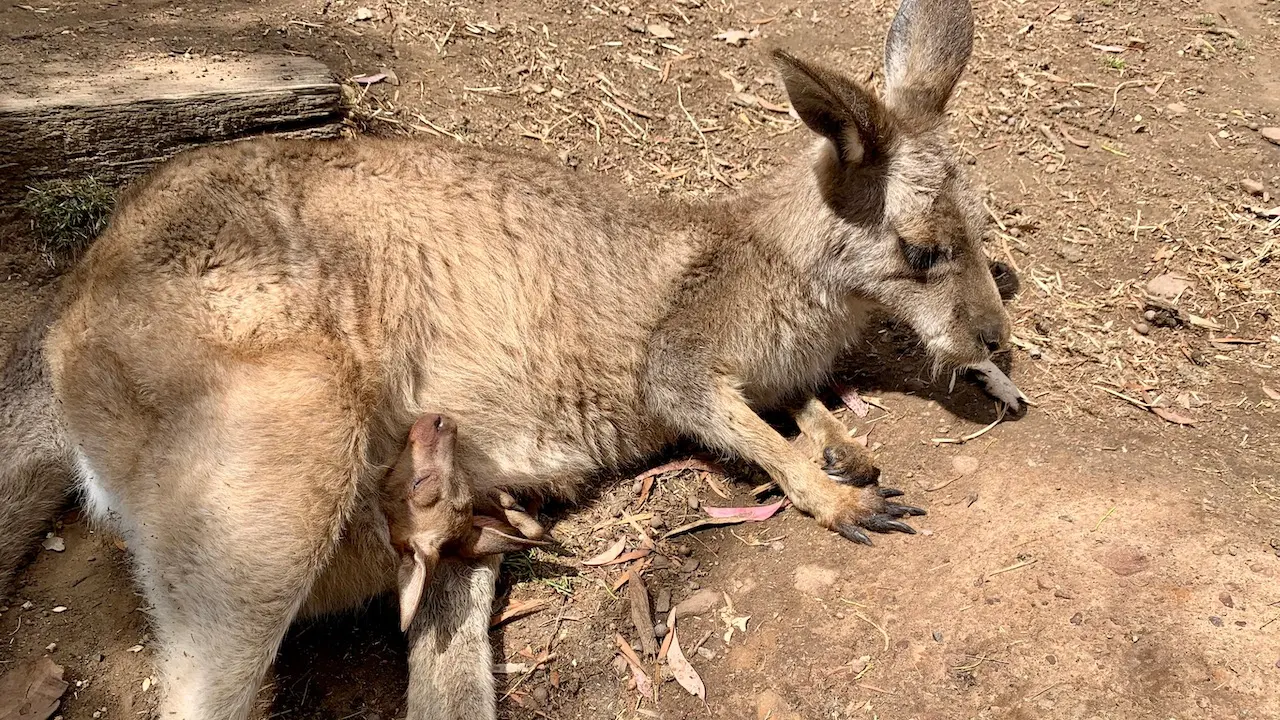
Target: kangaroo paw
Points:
(868, 508)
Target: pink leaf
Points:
(370, 79)
(608, 555)
(755, 513)
(854, 402)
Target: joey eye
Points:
(923, 258)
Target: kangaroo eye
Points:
(922, 258)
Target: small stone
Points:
(1142, 328)
(771, 706)
(1077, 619)
(1078, 17)
(660, 562)
(964, 464)
(660, 630)
(364, 13)
(813, 579)
(540, 695)
(60, 609)
(636, 27)
(663, 602)
(1215, 621)
(1272, 134)
(28, 605)
(54, 543)
(937, 636)
(1149, 315)
(1253, 187)
(1169, 286)
(683, 550)
(1071, 253)
(1176, 109)
(690, 565)
(1063, 594)
(51, 647)
(1125, 560)
(657, 522)
(637, 486)
(699, 603)
(693, 502)
(1225, 599)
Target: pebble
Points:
(660, 630)
(937, 636)
(693, 502)
(656, 522)
(813, 579)
(1142, 328)
(1077, 619)
(1272, 134)
(699, 603)
(1149, 315)
(51, 647)
(1176, 109)
(1225, 599)
(1215, 621)
(1253, 187)
(663, 602)
(540, 695)
(690, 565)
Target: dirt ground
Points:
(1091, 559)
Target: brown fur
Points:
(243, 351)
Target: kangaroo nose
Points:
(992, 336)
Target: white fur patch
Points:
(101, 505)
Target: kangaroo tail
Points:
(36, 464)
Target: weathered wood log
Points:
(66, 122)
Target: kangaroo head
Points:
(903, 228)
(429, 509)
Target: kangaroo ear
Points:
(836, 108)
(416, 569)
(925, 52)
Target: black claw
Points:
(911, 510)
(885, 492)
(884, 523)
(852, 533)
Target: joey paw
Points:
(849, 465)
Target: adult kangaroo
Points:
(241, 354)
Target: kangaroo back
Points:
(35, 459)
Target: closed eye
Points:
(923, 258)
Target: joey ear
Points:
(490, 537)
(416, 570)
(835, 107)
(925, 52)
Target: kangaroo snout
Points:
(993, 332)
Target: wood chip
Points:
(31, 690)
(642, 615)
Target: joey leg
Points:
(450, 657)
(723, 420)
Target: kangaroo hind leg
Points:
(238, 506)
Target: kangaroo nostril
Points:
(992, 338)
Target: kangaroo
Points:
(242, 351)
(429, 513)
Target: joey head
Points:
(432, 512)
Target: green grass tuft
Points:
(67, 215)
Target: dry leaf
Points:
(662, 32)
(754, 513)
(608, 555)
(682, 669)
(687, 464)
(1173, 416)
(54, 543)
(519, 610)
(31, 690)
(784, 108)
(369, 79)
(628, 557)
(1205, 323)
(637, 671)
(998, 385)
(736, 38)
(1271, 393)
(854, 402)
